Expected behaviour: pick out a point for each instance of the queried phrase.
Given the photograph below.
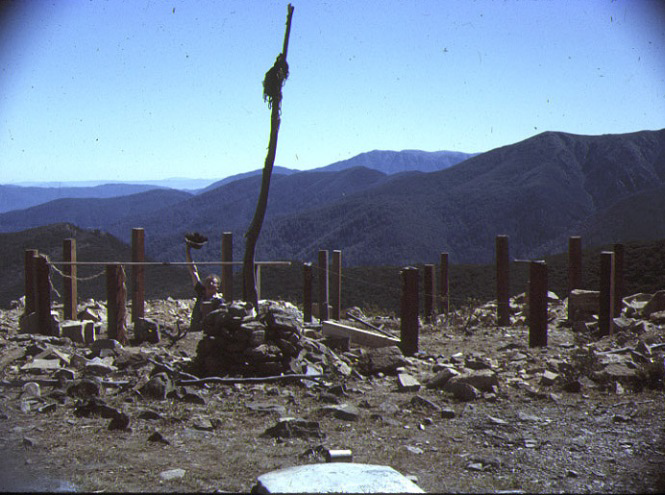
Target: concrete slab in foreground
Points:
(335, 477)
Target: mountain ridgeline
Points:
(539, 192)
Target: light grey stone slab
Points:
(335, 477)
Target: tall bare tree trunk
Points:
(272, 92)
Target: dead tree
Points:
(272, 93)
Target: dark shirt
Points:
(196, 323)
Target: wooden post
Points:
(116, 293)
(43, 286)
(323, 284)
(307, 292)
(30, 278)
(429, 292)
(227, 270)
(272, 92)
(606, 302)
(409, 311)
(70, 296)
(444, 303)
(257, 277)
(537, 304)
(618, 279)
(574, 267)
(502, 281)
(574, 263)
(138, 275)
(336, 284)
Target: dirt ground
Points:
(524, 437)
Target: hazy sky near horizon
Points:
(153, 89)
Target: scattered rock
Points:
(159, 438)
(462, 390)
(345, 412)
(441, 378)
(407, 383)
(295, 428)
(158, 387)
(119, 422)
(172, 474)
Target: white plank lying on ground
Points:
(358, 335)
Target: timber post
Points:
(116, 310)
(574, 263)
(574, 266)
(429, 292)
(537, 304)
(606, 298)
(30, 280)
(444, 303)
(43, 285)
(502, 281)
(70, 295)
(307, 292)
(323, 284)
(336, 284)
(138, 275)
(619, 251)
(227, 269)
(409, 311)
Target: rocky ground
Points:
(475, 410)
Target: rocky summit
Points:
(475, 409)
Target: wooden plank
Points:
(358, 335)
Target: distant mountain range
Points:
(25, 195)
(539, 192)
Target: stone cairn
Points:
(238, 340)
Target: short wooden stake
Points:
(138, 276)
(429, 292)
(70, 286)
(336, 296)
(116, 309)
(323, 284)
(227, 270)
(606, 301)
(502, 281)
(43, 287)
(409, 311)
(537, 304)
(30, 276)
(307, 292)
(444, 303)
(619, 284)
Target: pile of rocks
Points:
(239, 340)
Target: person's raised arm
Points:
(193, 271)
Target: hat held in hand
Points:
(195, 240)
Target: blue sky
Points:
(153, 89)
